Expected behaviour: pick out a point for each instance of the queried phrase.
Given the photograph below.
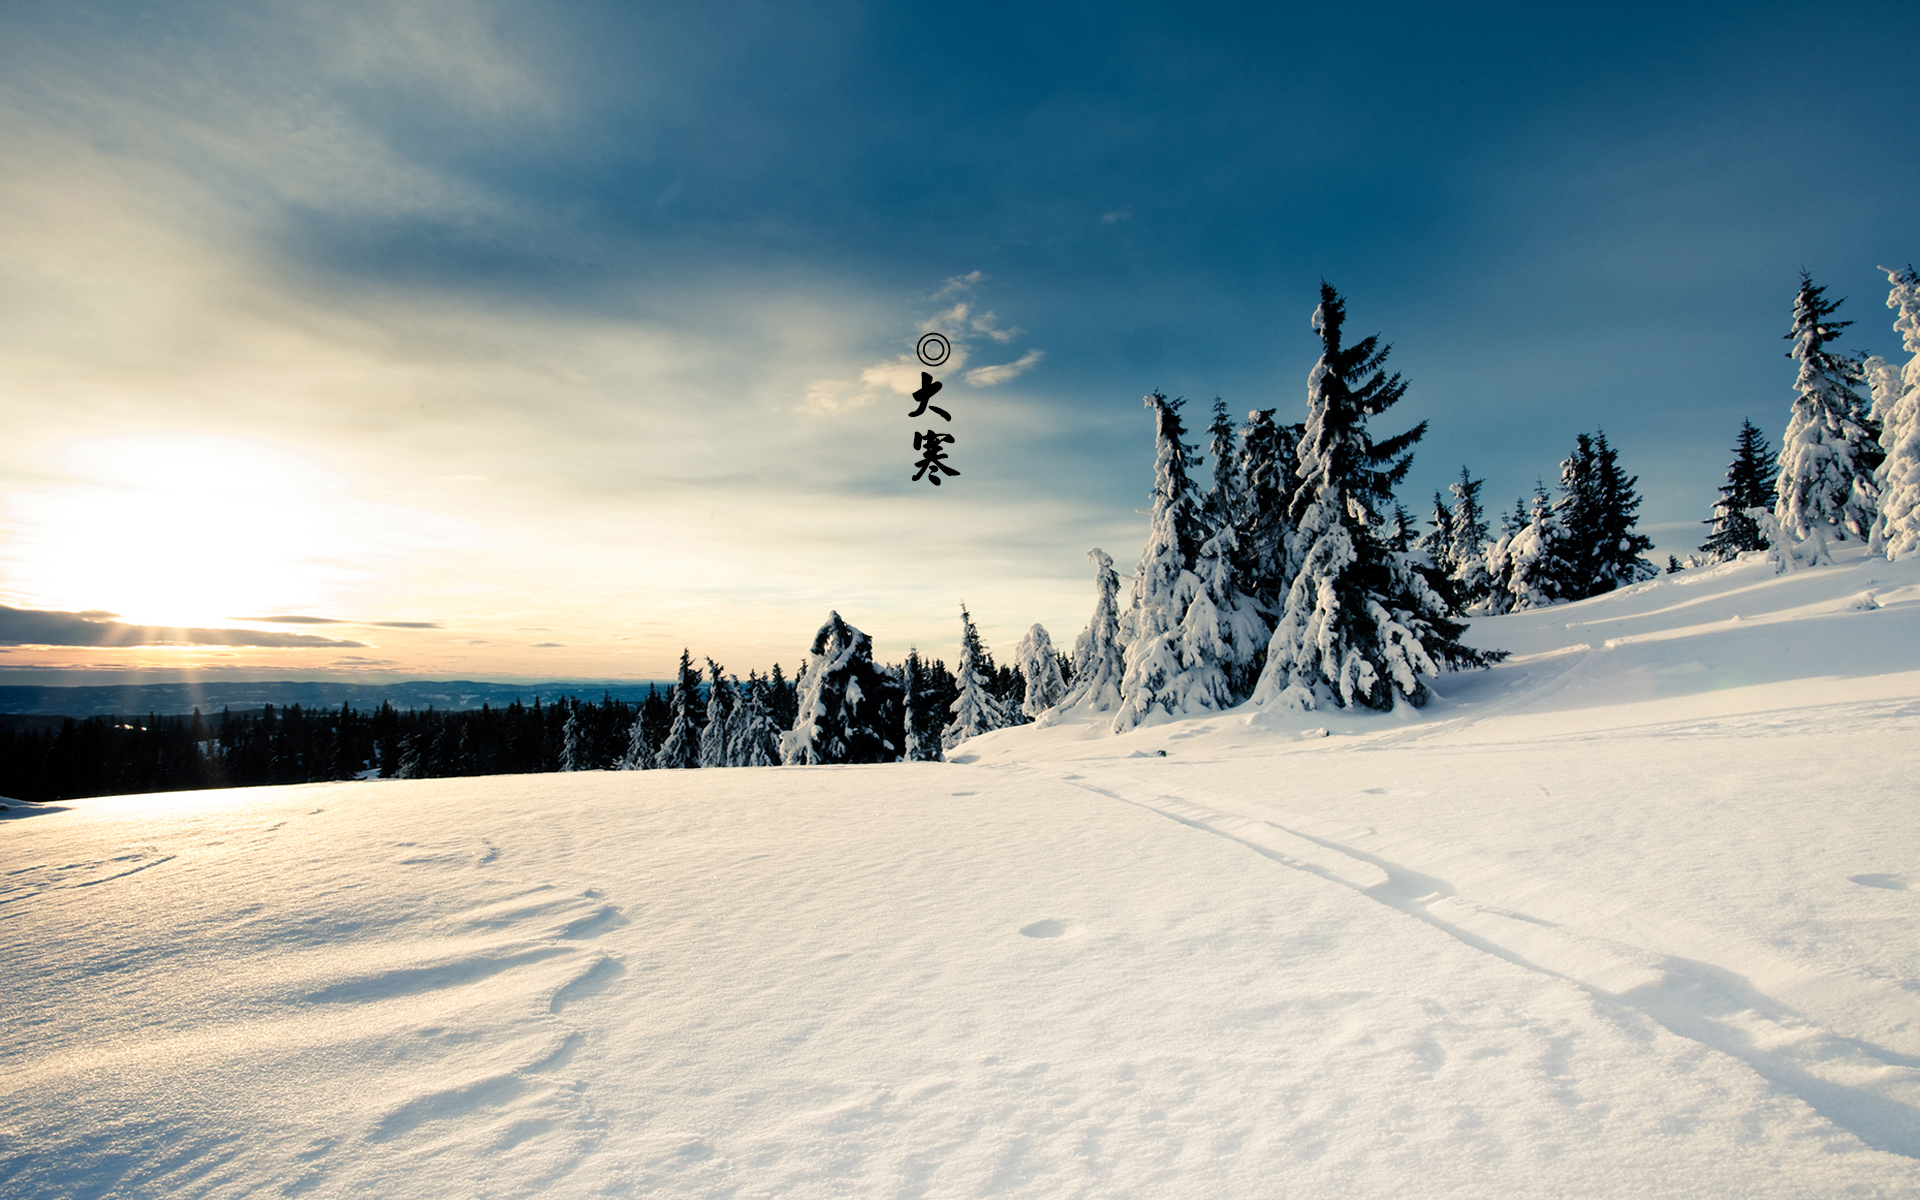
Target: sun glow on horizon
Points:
(186, 530)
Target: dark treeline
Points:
(104, 756)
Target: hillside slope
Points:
(1630, 915)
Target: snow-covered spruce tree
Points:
(1223, 504)
(1896, 403)
(1359, 626)
(574, 750)
(923, 717)
(756, 739)
(1164, 585)
(1537, 567)
(1268, 455)
(1221, 633)
(1009, 687)
(1437, 543)
(1040, 667)
(1576, 512)
(1497, 561)
(719, 731)
(1468, 551)
(1613, 549)
(681, 747)
(1099, 661)
(1749, 485)
(1825, 487)
(1222, 630)
(1399, 531)
(850, 711)
(975, 710)
(644, 736)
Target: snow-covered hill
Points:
(1633, 914)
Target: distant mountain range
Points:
(210, 696)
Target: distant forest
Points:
(117, 755)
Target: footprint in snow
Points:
(1892, 883)
(1052, 928)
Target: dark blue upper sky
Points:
(1563, 217)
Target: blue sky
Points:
(542, 340)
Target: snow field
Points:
(1630, 915)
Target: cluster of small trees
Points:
(1286, 577)
(1550, 550)
(852, 710)
(1849, 466)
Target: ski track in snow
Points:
(1871, 1091)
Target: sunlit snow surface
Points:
(1636, 914)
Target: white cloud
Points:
(954, 318)
(984, 324)
(960, 283)
(995, 375)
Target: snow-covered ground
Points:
(1636, 913)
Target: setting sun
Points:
(186, 530)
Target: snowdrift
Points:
(1631, 914)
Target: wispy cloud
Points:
(36, 627)
(299, 619)
(984, 323)
(999, 374)
(958, 284)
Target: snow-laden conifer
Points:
(574, 751)
(923, 718)
(714, 738)
(1609, 548)
(1223, 504)
(756, 738)
(1467, 551)
(1437, 543)
(1825, 488)
(1165, 584)
(1221, 633)
(976, 710)
(1040, 667)
(1749, 485)
(680, 749)
(1535, 567)
(849, 711)
(1359, 626)
(1896, 402)
(1098, 658)
(1497, 561)
(642, 739)
(1268, 455)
